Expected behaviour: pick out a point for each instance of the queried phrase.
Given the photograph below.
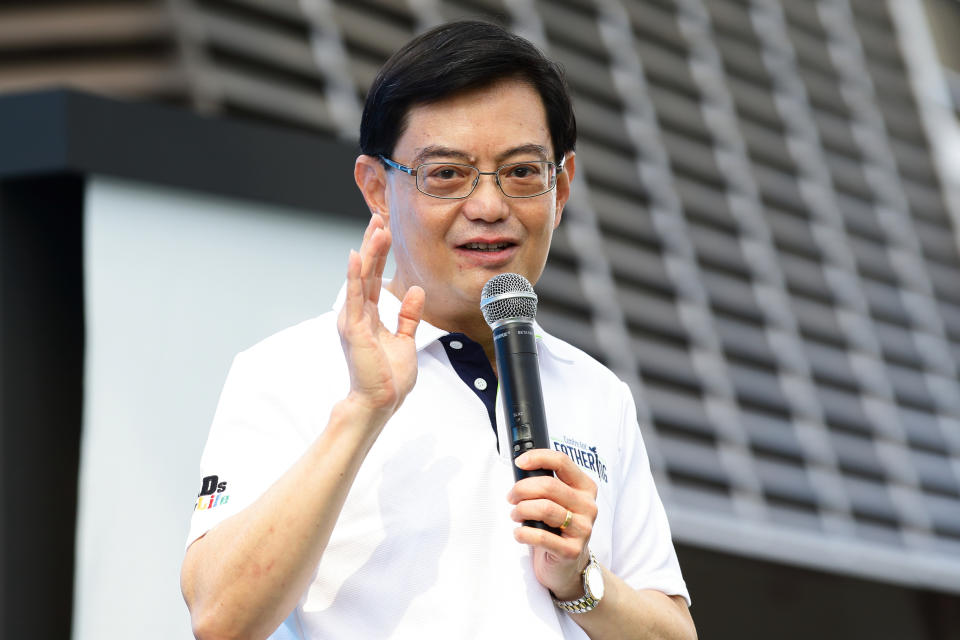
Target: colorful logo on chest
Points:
(584, 455)
(212, 494)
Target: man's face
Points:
(452, 247)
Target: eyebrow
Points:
(438, 151)
(537, 149)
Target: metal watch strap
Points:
(580, 605)
(584, 603)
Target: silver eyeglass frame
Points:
(496, 174)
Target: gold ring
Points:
(566, 521)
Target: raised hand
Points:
(382, 364)
(557, 559)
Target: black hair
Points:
(457, 57)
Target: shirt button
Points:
(480, 384)
(456, 344)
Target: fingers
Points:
(570, 545)
(381, 259)
(560, 463)
(549, 499)
(353, 304)
(374, 251)
(371, 227)
(564, 548)
(365, 278)
(550, 488)
(553, 514)
(373, 263)
(571, 486)
(531, 494)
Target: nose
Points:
(487, 203)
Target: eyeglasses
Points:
(454, 181)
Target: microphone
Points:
(509, 306)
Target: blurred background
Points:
(764, 242)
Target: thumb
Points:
(411, 310)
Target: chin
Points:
(476, 287)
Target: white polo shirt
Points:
(424, 547)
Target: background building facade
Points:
(763, 242)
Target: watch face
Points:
(593, 577)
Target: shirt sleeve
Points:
(643, 552)
(255, 436)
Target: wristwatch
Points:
(592, 590)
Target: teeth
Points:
(483, 246)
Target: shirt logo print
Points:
(584, 455)
(212, 494)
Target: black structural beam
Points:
(735, 597)
(41, 395)
(56, 131)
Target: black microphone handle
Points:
(518, 368)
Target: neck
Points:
(471, 325)
(460, 319)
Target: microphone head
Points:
(508, 296)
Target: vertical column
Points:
(332, 59)
(934, 100)
(204, 93)
(527, 22)
(427, 13)
(943, 133)
(41, 386)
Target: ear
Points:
(371, 178)
(564, 183)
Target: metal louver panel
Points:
(785, 287)
(123, 49)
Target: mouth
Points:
(494, 254)
(486, 247)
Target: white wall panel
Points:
(176, 283)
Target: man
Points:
(358, 481)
